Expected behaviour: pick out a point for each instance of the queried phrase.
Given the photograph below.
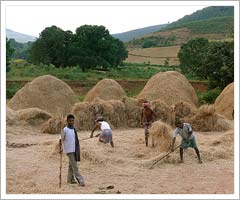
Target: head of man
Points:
(178, 123)
(70, 119)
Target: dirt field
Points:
(165, 52)
(33, 167)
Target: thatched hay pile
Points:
(133, 112)
(54, 125)
(45, 92)
(163, 111)
(224, 104)
(206, 119)
(33, 116)
(170, 87)
(161, 135)
(12, 116)
(106, 89)
(183, 109)
(113, 112)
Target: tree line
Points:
(89, 48)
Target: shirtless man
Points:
(147, 118)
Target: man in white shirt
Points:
(71, 147)
(106, 134)
(188, 138)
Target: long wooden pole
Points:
(60, 167)
(164, 156)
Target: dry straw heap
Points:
(54, 125)
(170, 87)
(183, 109)
(224, 104)
(161, 135)
(47, 93)
(206, 119)
(106, 89)
(33, 116)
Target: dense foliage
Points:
(9, 52)
(21, 50)
(208, 60)
(90, 47)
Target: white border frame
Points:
(4, 4)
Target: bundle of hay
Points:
(84, 117)
(33, 116)
(163, 111)
(133, 112)
(183, 109)
(106, 89)
(170, 87)
(12, 116)
(113, 112)
(53, 125)
(47, 93)
(161, 135)
(224, 104)
(206, 119)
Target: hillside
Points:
(212, 23)
(129, 35)
(206, 13)
(19, 37)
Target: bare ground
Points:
(32, 165)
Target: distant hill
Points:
(19, 37)
(129, 35)
(215, 22)
(206, 13)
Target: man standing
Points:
(70, 145)
(188, 138)
(147, 118)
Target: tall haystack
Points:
(183, 109)
(170, 87)
(163, 111)
(224, 104)
(47, 93)
(161, 135)
(106, 89)
(133, 112)
(206, 119)
(33, 116)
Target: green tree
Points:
(49, 47)
(219, 64)
(94, 47)
(9, 52)
(192, 57)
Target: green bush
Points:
(208, 97)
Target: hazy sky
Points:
(32, 19)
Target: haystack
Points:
(183, 109)
(33, 116)
(12, 116)
(163, 111)
(161, 135)
(206, 119)
(47, 93)
(170, 87)
(106, 89)
(133, 112)
(224, 104)
(53, 125)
